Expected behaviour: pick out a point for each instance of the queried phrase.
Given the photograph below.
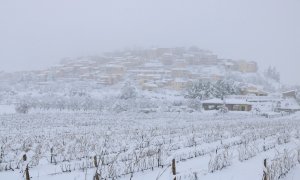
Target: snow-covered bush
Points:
(128, 92)
(177, 103)
(247, 151)
(146, 105)
(283, 138)
(272, 73)
(223, 109)
(219, 160)
(194, 104)
(297, 135)
(281, 165)
(22, 108)
(120, 106)
(256, 110)
(298, 156)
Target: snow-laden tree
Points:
(146, 103)
(201, 90)
(128, 91)
(206, 89)
(298, 93)
(253, 78)
(120, 106)
(223, 88)
(194, 104)
(272, 73)
(22, 108)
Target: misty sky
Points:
(38, 33)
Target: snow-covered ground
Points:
(7, 109)
(209, 146)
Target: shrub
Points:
(22, 108)
(220, 160)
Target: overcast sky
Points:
(38, 33)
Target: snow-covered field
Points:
(141, 146)
(7, 109)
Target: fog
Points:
(35, 34)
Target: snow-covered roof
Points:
(168, 54)
(114, 65)
(226, 101)
(188, 55)
(228, 63)
(149, 71)
(150, 85)
(179, 69)
(153, 64)
(207, 70)
(180, 80)
(289, 91)
(256, 91)
(289, 104)
(213, 101)
(149, 75)
(236, 101)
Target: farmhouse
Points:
(231, 104)
(238, 105)
(212, 104)
(253, 90)
(290, 94)
(288, 105)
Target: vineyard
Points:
(187, 146)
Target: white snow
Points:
(137, 140)
(7, 109)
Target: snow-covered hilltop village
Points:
(144, 114)
(189, 79)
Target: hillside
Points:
(148, 69)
